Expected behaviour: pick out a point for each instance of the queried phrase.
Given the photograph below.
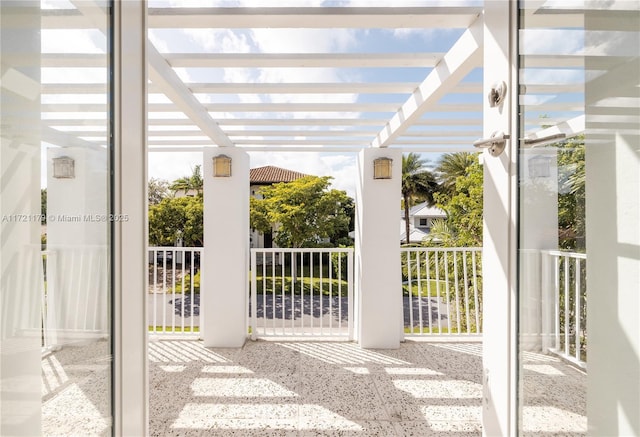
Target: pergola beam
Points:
(302, 60)
(315, 17)
(465, 55)
(166, 79)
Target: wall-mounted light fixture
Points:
(382, 168)
(539, 167)
(64, 168)
(221, 166)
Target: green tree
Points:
(571, 194)
(187, 183)
(451, 166)
(158, 189)
(175, 218)
(418, 183)
(464, 207)
(302, 212)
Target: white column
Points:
(499, 237)
(131, 408)
(613, 224)
(225, 269)
(538, 231)
(77, 231)
(377, 251)
(20, 258)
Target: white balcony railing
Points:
(174, 289)
(442, 291)
(75, 299)
(301, 292)
(564, 305)
(310, 292)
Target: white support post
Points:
(377, 251)
(20, 276)
(226, 256)
(499, 237)
(131, 408)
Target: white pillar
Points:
(20, 257)
(538, 231)
(613, 224)
(77, 232)
(130, 362)
(226, 251)
(377, 251)
(499, 237)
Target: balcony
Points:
(303, 375)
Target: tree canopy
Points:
(158, 189)
(461, 197)
(187, 183)
(451, 166)
(571, 194)
(418, 184)
(175, 218)
(301, 213)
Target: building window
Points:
(423, 222)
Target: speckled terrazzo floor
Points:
(337, 389)
(76, 391)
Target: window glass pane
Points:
(54, 199)
(579, 120)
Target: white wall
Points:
(225, 268)
(377, 250)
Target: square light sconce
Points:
(221, 166)
(64, 168)
(539, 167)
(382, 168)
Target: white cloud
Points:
(84, 41)
(172, 165)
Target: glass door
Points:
(578, 218)
(55, 252)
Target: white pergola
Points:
(392, 96)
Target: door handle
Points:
(495, 144)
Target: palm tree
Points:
(187, 183)
(417, 183)
(451, 166)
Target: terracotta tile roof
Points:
(271, 175)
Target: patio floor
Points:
(278, 388)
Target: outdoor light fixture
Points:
(382, 168)
(64, 168)
(539, 167)
(221, 166)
